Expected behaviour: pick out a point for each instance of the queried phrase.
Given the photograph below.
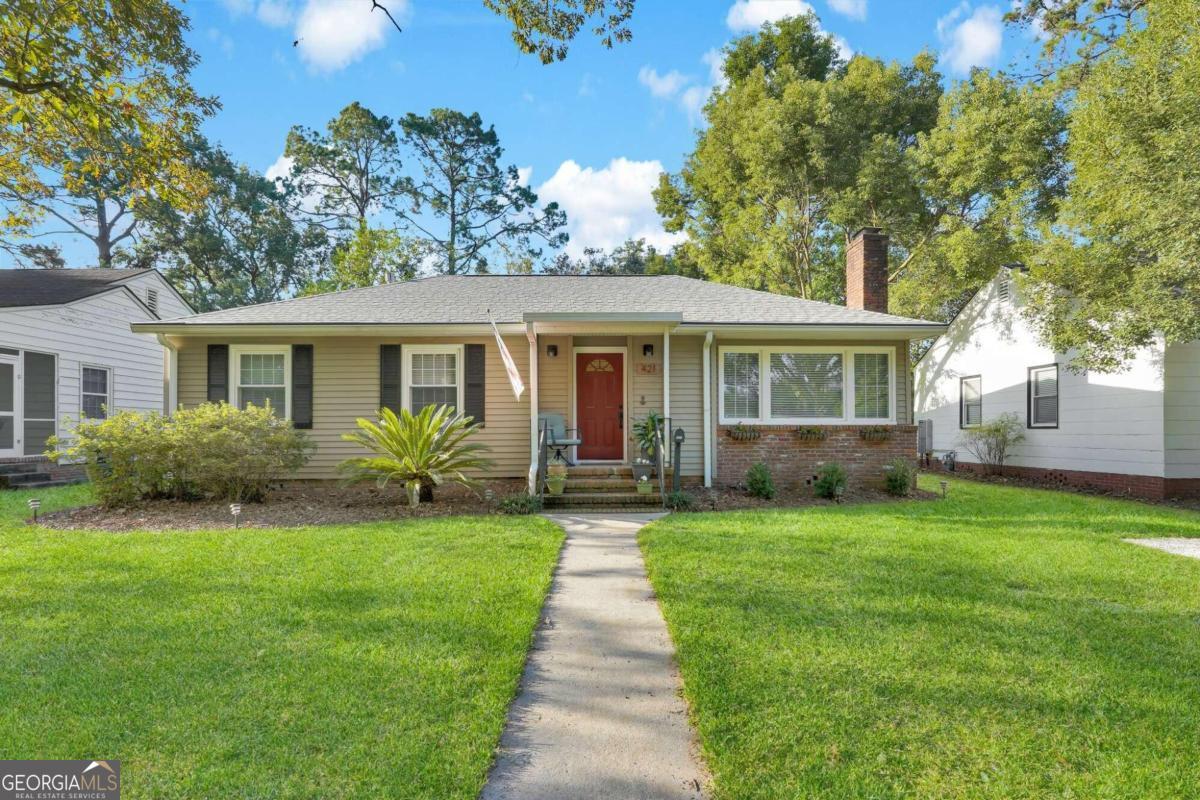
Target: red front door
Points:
(600, 405)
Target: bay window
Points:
(787, 385)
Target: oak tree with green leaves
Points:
(370, 257)
(241, 246)
(1120, 267)
(105, 81)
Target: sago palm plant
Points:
(425, 450)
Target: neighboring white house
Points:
(66, 349)
(1135, 431)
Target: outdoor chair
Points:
(558, 436)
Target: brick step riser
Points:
(43, 485)
(16, 481)
(599, 472)
(21, 468)
(612, 499)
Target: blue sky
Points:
(593, 131)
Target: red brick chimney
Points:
(867, 270)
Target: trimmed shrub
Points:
(520, 503)
(680, 501)
(213, 451)
(991, 441)
(759, 482)
(900, 477)
(829, 477)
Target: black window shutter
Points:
(476, 376)
(218, 373)
(389, 377)
(302, 386)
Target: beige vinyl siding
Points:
(1181, 410)
(346, 386)
(554, 376)
(687, 400)
(645, 378)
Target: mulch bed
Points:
(294, 505)
(736, 498)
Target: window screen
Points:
(741, 385)
(1043, 396)
(872, 396)
(806, 385)
(970, 401)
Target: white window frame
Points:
(235, 371)
(108, 401)
(1031, 384)
(407, 352)
(764, 389)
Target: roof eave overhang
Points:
(217, 329)
(816, 331)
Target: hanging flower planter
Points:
(744, 433)
(875, 433)
(807, 433)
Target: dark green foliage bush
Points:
(900, 477)
(829, 477)
(213, 451)
(759, 482)
(520, 503)
(680, 501)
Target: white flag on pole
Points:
(514, 377)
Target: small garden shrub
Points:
(759, 482)
(900, 478)
(680, 501)
(991, 441)
(212, 451)
(520, 503)
(829, 477)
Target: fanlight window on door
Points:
(599, 365)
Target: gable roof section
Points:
(515, 299)
(53, 287)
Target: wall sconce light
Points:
(648, 350)
(552, 351)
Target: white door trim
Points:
(18, 413)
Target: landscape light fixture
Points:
(943, 484)
(34, 505)
(236, 510)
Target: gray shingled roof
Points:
(49, 287)
(465, 299)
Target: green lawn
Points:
(1003, 643)
(355, 661)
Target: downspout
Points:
(533, 407)
(171, 395)
(706, 371)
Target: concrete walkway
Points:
(1178, 546)
(599, 713)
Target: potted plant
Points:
(811, 433)
(743, 433)
(875, 433)
(645, 434)
(644, 486)
(556, 482)
(643, 468)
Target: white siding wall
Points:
(1182, 411)
(1107, 422)
(95, 332)
(169, 305)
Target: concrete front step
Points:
(21, 467)
(600, 484)
(15, 480)
(600, 471)
(591, 499)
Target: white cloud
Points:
(587, 85)
(280, 169)
(662, 86)
(222, 40)
(693, 99)
(609, 205)
(854, 9)
(238, 7)
(971, 38)
(523, 175)
(845, 51)
(275, 13)
(335, 33)
(749, 15)
(715, 59)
